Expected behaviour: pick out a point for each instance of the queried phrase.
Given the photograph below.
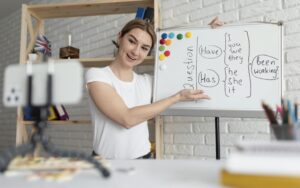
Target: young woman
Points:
(120, 99)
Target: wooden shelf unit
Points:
(38, 13)
(103, 7)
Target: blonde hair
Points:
(141, 24)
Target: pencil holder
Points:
(286, 131)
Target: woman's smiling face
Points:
(134, 47)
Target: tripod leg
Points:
(217, 134)
(11, 153)
(57, 152)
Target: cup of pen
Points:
(286, 131)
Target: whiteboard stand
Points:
(217, 134)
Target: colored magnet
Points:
(162, 41)
(161, 48)
(168, 42)
(179, 36)
(171, 35)
(164, 35)
(162, 57)
(163, 66)
(188, 34)
(167, 53)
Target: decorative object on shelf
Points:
(32, 57)
(43, 46)
(69, 52)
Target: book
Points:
(52, 115)
(140, 12)
(263, 164)
(149, 14)
(281, 146)
(32, 113)
(256, 181)
(265, 157)
(145, 14)
(61, 112)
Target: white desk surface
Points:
(136, 173)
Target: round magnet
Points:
(168, 42)
(167, 53)
(162, 57)
(161, 48)
(188, 34)
(164, 35)
(179, 36)
(171, 35)
(163, 66)
(162, 41)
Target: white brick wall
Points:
(9, 50)
(195, 135)
(184, 137)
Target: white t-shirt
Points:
(111, 140)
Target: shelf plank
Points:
(62, 122)
(101, 62)
(104, 7)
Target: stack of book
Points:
(145, 14)
(263, 164)
(56, 112)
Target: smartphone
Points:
(67, 83)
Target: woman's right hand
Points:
(216, 23)
(191, 95)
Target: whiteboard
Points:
(238, 66)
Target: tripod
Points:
(38, 136)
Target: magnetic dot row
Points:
(179, 36)
(164, 41)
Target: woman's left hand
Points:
(191, 95)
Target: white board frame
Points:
(203, 112)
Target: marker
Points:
(285, 111)
(280, 111)
(270, 114)
(291, 113)
(296, 112)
